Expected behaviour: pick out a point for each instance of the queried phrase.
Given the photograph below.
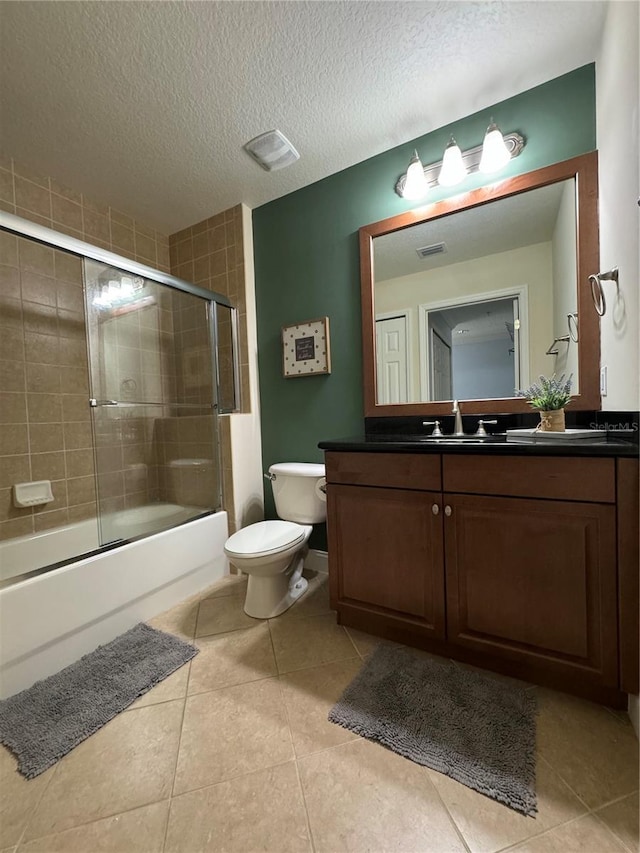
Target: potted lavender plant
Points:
(549, 396)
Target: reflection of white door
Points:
(440, 368)
(391, 360)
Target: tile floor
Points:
(234, 753)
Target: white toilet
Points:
(272, 552)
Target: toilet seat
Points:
(264, 538)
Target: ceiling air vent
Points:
(435, 249)
(272, 150)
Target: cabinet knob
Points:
(435, 509)
(448, 511)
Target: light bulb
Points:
(495, 153)
(416, 185)
(453, 169)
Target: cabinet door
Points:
(385, 552)
(533, 581)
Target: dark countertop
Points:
(496, 446)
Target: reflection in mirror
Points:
(466, 306)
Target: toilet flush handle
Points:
(269, 476)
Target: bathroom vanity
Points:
(518, 558)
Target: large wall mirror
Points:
(476, 296)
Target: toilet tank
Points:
(297, 491)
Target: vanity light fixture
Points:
(453, 170)
(495, 153)
(416, 185)
(418, 179)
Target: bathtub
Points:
(50, 620)
(25, 554)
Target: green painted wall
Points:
(307, 262)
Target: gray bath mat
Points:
(473, 727)
(46, 721)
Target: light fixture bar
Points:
(471, 159)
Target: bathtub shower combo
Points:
(111, 485)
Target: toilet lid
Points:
(264, 537)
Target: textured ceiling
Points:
(146, 106)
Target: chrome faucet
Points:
(457, 429)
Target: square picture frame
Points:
(306, 349)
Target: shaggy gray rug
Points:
(473, 727)
(43, 723)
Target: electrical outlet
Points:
(603, 381)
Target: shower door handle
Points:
(94, 403)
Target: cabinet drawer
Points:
(556, 477)
(394, 470)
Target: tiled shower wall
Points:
(211, 254)
(43, 200)
(44, 436)
(44, 382)
(45, 433)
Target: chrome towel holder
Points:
(597, 292)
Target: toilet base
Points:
(270, 596)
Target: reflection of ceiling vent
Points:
(272, 150)
(435, 249)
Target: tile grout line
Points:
(175, 765)
(37, 805)
(304, 803)
(457, 829)
(612, 831)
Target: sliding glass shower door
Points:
(154, 407)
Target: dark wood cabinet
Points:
(534, 582)
(509, 563)
(389, 556)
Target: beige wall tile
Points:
(77, 436)
(47, 466)
(80, 490)
(31, 197)
(12, 344)
(12, 375)
(68, 268)
(43, 378)
(14, 469)
(6, 186)
(66, 212)
(34, 257)
(24, 171)
(42, 349)
(10, 282)
(14, 439)
(13, 408)
(9, 530)
(79, 463)
(38, 288)
(81, 512)
(41, 319)
(46, 438)
(44, 408)
(10, 313)
(49, 520)
(65, 192)
(8, 249)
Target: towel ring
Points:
(597, 293)
(572, 323)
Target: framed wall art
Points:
(305, 348)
